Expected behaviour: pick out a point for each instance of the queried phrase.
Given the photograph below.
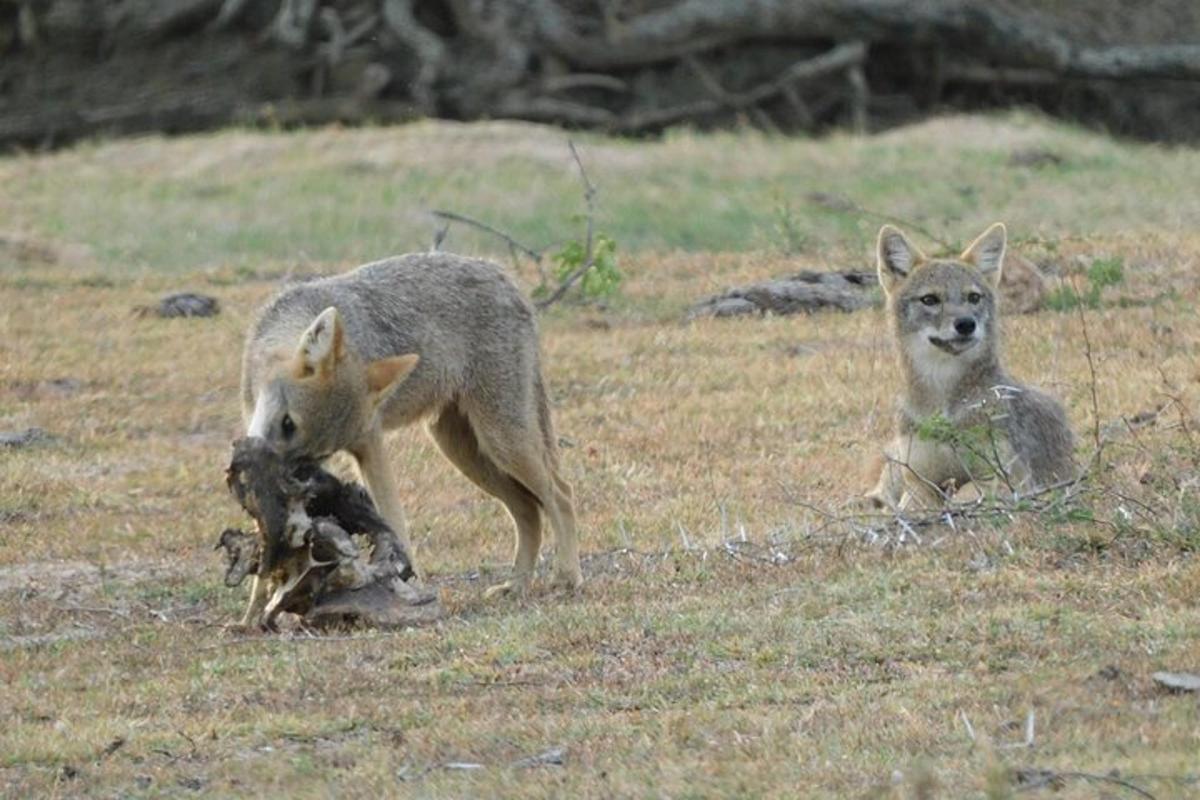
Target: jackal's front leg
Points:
(381, 482)
(258, 602)
(888, 475)
(913, 474)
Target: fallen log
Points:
(321, 549)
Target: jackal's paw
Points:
(874, 500)
(243, 628)
(567, 580)
(512, 588)
(970, 492)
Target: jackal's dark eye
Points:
(930, 299)
(974, 297)
(287, 426)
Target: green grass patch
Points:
(249, 199)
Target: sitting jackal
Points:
(331, 364)
(962, 418)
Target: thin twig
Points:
(1087, 353)
(191, 742)
(230, 11)
(838, 58)
(439, 236)
(1049, 776)
(937, 490)
(452, 216)
(844, 205)
(1184, 416)
(721, 94)
(1185, 780)
(860, 98)
(589, 256)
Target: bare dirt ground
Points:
(730, 640)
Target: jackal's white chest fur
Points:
(938, 371)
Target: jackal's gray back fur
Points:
(472, 327)
(333, 364)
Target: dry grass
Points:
(680, 670)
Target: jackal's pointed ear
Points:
(896, 257)
(987, 253)
(386, 374)
(322, 345)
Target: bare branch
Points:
(335, 48)
(720, 94)
(860, 98)
(439, 236)
(293, 21)
(1174, 62)
(836, 59)
(845, 205)
(978, 73)
(1087, 352)
(584, 80)
(426, 45)
(229, 13)
(452, 216)
(799, 108)
(518, 105)
(662, 117)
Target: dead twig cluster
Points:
(630, 68)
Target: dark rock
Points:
(181, 304)
(1178, 681)
(26, 438)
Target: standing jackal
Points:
(962, 418)
(331, 364)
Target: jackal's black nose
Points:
(964, 326)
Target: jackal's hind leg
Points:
(519, 447)
(527, 464)
(567, 573)
(257, 604)
(458, 441)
